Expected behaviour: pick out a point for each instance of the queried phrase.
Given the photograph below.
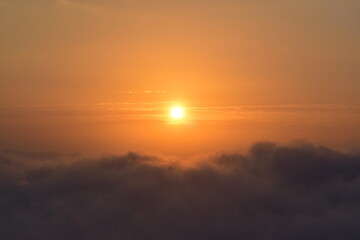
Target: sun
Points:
(177, 113)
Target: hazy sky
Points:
(206, 52)
(101, 75)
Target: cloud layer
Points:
(272, 192)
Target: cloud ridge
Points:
(298, 191)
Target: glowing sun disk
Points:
(177, 112)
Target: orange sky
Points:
(101, 75)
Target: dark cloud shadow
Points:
(293, 192)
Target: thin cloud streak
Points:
(158, 110)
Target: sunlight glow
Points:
(177, 113)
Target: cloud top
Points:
(297, 191)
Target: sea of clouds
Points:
(297, 191)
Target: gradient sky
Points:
(223, 52)
(81, 75)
